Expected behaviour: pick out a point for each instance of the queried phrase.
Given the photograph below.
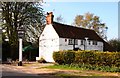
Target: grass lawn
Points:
(66, 71)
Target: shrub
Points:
(96, 58)
(58, 57)
(68, 57)
(84, 57)
(42, 60)
(64, 57)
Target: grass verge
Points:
(85, 67)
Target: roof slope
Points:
(67, 31)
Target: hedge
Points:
(64, 57)
(111, 59)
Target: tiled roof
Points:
(67, 31)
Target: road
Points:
(36, 70)
(9, 71)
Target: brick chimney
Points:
(49, 18)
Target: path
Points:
(35, 70)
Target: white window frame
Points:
(89, 42)
(82, 42)
(94, 42)
(71, 42)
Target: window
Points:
(71, 42)
(76, 42)
(89, 42)
(94, 42)
(82, 42)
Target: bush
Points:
(64, 57)
(58, 57)
(68, 57)
(96, 58)
(42, 60)
(84, 57)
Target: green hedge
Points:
(111, 59)
(64, 57)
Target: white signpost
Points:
(20, 35)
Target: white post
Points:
(86, 42)
(40, 47)
(20, 52)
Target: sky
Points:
(107, 11)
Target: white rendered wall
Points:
(98, 47)
(64, 45)
(48, 43)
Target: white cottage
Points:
(56, 36)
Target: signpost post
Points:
(20, 35)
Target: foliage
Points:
(64, 57)
(84, 67)
(111, 59)
(42, 60)
(115, 43)
(17, 14)
(94, 67)
(91, 21)
(58, 57)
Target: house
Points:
(56, 36)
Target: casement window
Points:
(82, 42)
(89, 42)
(71, 42)
(94, 42)
(76, 42)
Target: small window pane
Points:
(82, 42)
(70, 42)
(94, 42)
(76, 42)
(89, 43)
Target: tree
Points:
(17, 14)
(60, 19)
(115, 43)
(90, 21)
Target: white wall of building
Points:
(98, 47)
(64, 45)
(48, 43)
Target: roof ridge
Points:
(72, 26)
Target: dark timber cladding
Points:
(67, 31)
